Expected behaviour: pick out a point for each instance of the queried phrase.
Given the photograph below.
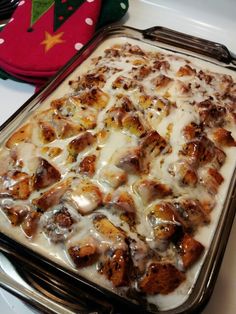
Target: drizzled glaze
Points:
(128, 107)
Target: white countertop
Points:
(210, 19)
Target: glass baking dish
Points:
(92, 294)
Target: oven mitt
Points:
(43, 35)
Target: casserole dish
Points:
(193, 293)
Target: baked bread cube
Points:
(190, 213)
(85, 196)
(161, 278)
(224, 137)
(79, 144)
(149, 190)
(52, 196)
(84, 253)
(163, 221)
(87, 165)
(30, 223)
(23, 134)
(190, 250)
(106, 228)
(45, 175)
(116, 267)
(16, 184)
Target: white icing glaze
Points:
(183, 115)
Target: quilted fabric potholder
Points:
(43, 35)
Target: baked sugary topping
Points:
(125, 169)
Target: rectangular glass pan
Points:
(154, 37)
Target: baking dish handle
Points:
(198, 45)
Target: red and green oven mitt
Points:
(42, 35)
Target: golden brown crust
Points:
(47, 133)
(30, 223)
(126, 84)
(52, 196)
(150, 190)
(192, 130)
(161, 65)
(161, 278)
(130, 160)
(116, 267)
(163, 220)
(133, 124)
(205, 76)
(16, 185)
(190, 213)
(63, 218)
(114, 116)
(210, 114)
(46, 175)
(89, 81)
(95, 98)
(190, 177)
(153, 142)
(58, 224)
(162, 81)
(186, 71)
(51, 152)
(80, 143)
(122, 201)
(190, 250)
(88, 165)
(224, 137)
(58, 103)
(141, 72)
(212, 180)
(184, 172)
(83, 255)
(201, 151)
(23, 134)
(104, 226)
(85, 196)
(113, 176)
(66, 128)
(16, 214)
